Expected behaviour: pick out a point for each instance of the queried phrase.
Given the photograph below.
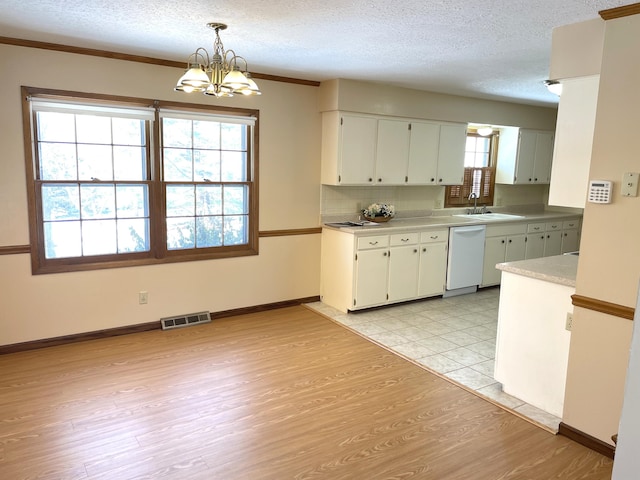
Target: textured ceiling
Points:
(496, 49)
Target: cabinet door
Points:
(392, 152)
(372, 271)
(453, 139)
(357, 150)
(494, 252)
(403, 272)
(570, 241)
(535, 245)
(527, 140)
(542, 161)
(516, 248)
(423, 153)
(433, 269)
(553, 244)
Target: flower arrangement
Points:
(381, 211)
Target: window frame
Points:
(457, 196)
(158, 252)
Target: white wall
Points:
(609, 265)
(44, 306)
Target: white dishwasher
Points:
(465, 259)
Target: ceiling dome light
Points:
(484, 131)
(554, 86)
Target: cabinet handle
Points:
(566, 234)
(529, 179)
(424, 249)
(510, 240)
(370, 179)
(404, 239)
(433, 179)
(434, 237)
(385, 254)
(536, 228)
(502, 241)
(535, 179)
(440, 180)
(542, 237)
(373, 243)
(415, 250)
(406, 179)
(379, 179)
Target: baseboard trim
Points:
(586, 440)
(142, 327)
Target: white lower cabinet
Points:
(553, 243)
(367, 271)
(570, 236)
(503, 243)
(371, 271)
(433, 262)
(403, 266)
(552, 238)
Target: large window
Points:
(116, 182)
(479, 173)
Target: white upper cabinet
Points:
(524, 156)
(373, 150)
(392, 152)
(423, 153)
(348, 149)
(453, 138)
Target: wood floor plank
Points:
(285, 394)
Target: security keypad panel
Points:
(600, 191)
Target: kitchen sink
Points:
(490, 216)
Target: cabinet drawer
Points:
(434, 236)
(551, 226)
(567, 224)
(536, 227)
(410, 238)
(378, 241)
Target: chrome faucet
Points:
(473, 196)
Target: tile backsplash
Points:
(349, 201)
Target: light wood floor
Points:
(286, 394)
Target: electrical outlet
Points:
(143, 298)
(569, 322)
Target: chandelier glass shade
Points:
(221, 74)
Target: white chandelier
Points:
(219, 74)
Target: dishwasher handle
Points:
(479, 228)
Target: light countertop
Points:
(398, 225)
(560, 269)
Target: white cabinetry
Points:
(392, 151)
(524, 156)
(503, 243)
(360, 149)
(433, 262)
(371, 270)
(570, 236)
(546, 239)
(553, 238)
(348, 154)
(403, 266)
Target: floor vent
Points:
(185, 320)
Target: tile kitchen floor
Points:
(454, 336)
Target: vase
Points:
(378, 219)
